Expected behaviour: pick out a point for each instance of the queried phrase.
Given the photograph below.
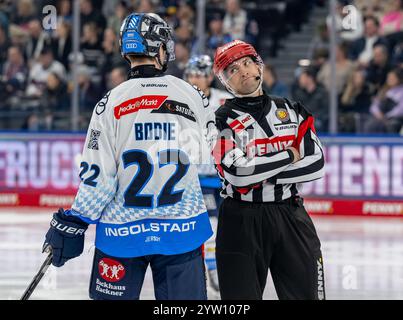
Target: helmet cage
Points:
(200, 65)
(144, 34)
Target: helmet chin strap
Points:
(164, 65)
(259, 87)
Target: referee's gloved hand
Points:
(296, 154)
(65, 236)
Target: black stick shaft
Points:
(37, 277)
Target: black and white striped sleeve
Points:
(241, 171)
(311, 165)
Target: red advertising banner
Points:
(39, 169)
(364, 175)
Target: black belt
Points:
(294, 200)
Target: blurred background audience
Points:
(36, 75)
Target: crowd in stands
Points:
(36, 78)
(369, 68)
(36, 62)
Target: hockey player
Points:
(264, 147)
(139, 178)
(199, 72)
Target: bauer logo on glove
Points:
(66, 229)
(65, 236)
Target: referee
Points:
(263, 147)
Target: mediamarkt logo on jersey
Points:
(136, 104)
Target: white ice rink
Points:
(363, 259)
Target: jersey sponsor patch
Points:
(139, 103)
(264, 146)
(111, 270)
(178, 108)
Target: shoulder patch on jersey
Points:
(178, 108)
(241, 123)
(202, 95)
(101, 105)
(282, 114)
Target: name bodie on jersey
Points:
(139, 169)
(250, 148)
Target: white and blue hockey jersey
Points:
(139, 174)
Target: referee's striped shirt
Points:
(251, 137)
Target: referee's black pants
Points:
(255, 237)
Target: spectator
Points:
(90, 94)
(271, 84)
(315, 97)
(109, 7)
(387, 108)
(32, 123)
(61, 44)
(110, 47)
(143, 6)
(90, 15)
(184, 33)
(55, 96)
(371, 7)
(25, 13)
(397, 54)
(321, 41)
(14, 69)
(355, 102)
(392, 21)
(320, 57)
(14, 75)
(4, 16)
(40, 71)
(91, 46)
(38, 40)
(170, 17)
(363, 48)
(115, 20)
(185, 13)
(4, 45)
(347, 33)
(357, 95)
(216, 37)
(343, 70)
(238, 24)
(116, 77)
(64, 11)
(378, 67)
(182, 54)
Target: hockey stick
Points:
(39, 275)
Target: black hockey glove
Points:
(65, 236)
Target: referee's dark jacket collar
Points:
(249, 104)
(144, 71)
